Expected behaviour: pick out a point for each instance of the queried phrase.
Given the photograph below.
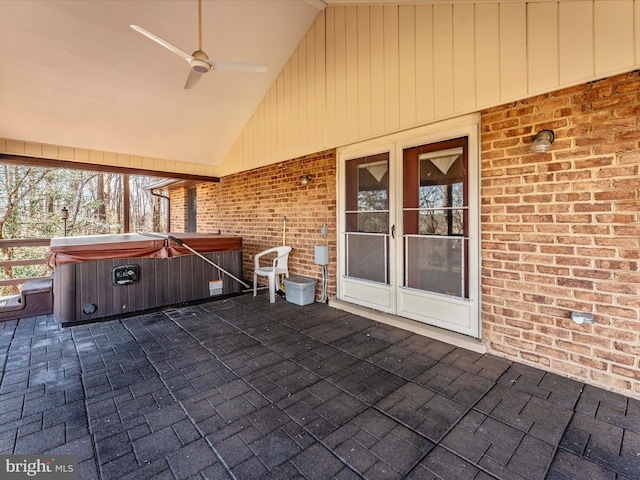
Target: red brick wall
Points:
(178, 214)
(207, 201)
(253, 205)
(207, 218)
(560, 232)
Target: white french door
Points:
(409, 226)
(368, 231)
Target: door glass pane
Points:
(434, 218)
(367, 257)
(435, 264)
(367, 218)
(441, 222)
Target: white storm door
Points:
(439, 244)
(366, 233)
(408, 217)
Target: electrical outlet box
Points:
(321, 254)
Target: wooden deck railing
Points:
(17, 243)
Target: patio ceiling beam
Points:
(54, 163)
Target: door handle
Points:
(393, 231)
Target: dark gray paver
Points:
(552, 387)
(605, 444)
(425, 411)
(568, 466)
(243, 389)
(440, 463)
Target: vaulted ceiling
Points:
(73, 73)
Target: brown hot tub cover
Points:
(65, 250)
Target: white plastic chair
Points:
(279, 266)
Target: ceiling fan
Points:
(198, 61)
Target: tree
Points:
(32, 198)
(101, 211)
(17, 184)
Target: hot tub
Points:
(101, 276)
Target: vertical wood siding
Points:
(366, 71)
(99, 157)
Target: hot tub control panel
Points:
(125, 274)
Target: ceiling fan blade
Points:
(162, 42)
(192, 79)
(237, 66)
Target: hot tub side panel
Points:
(84, 291)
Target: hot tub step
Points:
(36, 298)
(10, 303)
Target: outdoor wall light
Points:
(64, 214)
(542, 141)
(305, 179)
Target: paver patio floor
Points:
(240, 388)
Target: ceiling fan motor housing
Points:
(199, 66)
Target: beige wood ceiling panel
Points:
(542, 42)
(340, 68)
(391, 65)
(443, 60)
(321, 88)
(247, 147)
(464, 68)
(487, 72)
(575, 34)
(272, 132)
(331, 136)
(351, 42)
(260, 154)
(310, 107)
(513, 50)
(267, 139)
(613, 31)
(100, 85)
(294, 119)
(365, 71)
(280, 114)
(424, 63)
(303, 97)
(376, 18)
(407, 63)
(287, 107)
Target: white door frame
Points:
(462, 315)
(362, 292)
